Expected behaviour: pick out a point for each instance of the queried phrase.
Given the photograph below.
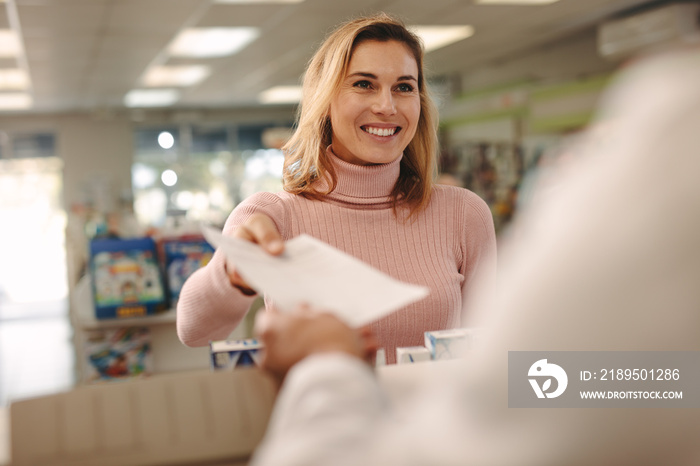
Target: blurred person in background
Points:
(359, 175)
(607, 261)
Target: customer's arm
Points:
(214, 299)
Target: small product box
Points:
(411, 354)
(231, 354)
(118, 354)
(126, 278)
(448, 344)
(182, 258)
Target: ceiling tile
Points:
(90, 52)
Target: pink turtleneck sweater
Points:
(444, 247)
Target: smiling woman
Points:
(358, 175)
(355, 55)
(374, 115)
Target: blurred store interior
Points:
(145, 117)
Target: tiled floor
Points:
(36, 353)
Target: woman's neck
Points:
(364, 181)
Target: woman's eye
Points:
(404, 87)
(363, 84)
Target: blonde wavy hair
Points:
(305, 152)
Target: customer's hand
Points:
(261, 230)
(290, 337)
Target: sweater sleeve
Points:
(478, 245)
(209, 308)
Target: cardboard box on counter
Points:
(230, 354)
(449, 344)
(411, 354)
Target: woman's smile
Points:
(379, 131)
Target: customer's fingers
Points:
(237, 281)
(260, 229)
(369, 343)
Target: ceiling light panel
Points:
(243, 2)
(9, 43)
(15, 101)
(14, 79)
(212, 42)
(435, 37)
(281, 95)
(151, 97)
(177, 76)
(515, 2)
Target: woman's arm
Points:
(215, 299)
(478, 242)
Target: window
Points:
(201, 171)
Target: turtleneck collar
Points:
(362, 184)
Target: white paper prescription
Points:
(313, 272)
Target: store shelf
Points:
(169, 354)
(84, 313)
(90, 323)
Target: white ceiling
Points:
(87, 54)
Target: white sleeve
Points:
(327, 408)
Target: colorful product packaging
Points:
(448, 344)
(232, 354)
(411, 354)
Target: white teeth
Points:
(380, 131)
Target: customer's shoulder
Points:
(266, 198)
(456, 194)
(460, 202)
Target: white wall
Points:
(97, 153)
(97, 158)
(567, 59)
(500, 86)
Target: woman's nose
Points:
(384, 103)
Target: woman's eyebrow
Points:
(374, 76)
(360, 74)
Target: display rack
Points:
(169, 354)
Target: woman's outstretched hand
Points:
(261, 230)
(290, 337)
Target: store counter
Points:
(182, 418)
(4, 437)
